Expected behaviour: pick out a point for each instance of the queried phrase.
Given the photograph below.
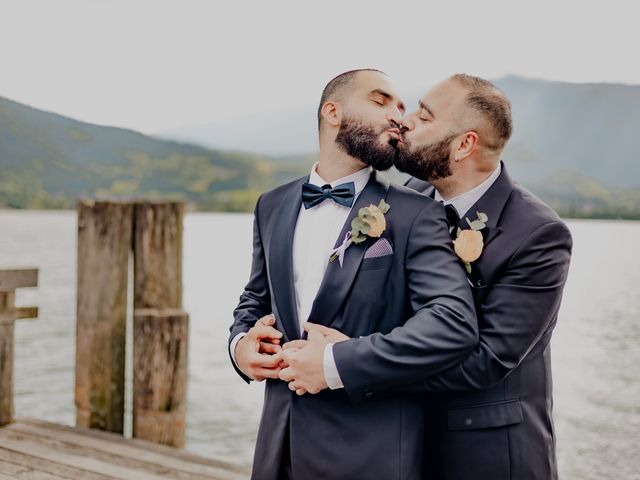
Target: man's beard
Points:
(429, 162)
(363, 142)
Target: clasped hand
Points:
(299, 362)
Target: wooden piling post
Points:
(160, 329)
(158, 255)
(160, 375)
(9, 313)
(106, 233)
(104, 244)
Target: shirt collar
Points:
(359, 179)
(465, 201)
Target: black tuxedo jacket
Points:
(421, 286)
(490, 416)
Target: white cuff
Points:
(232, 348)
(331, 375)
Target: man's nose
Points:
(406, 124)
(394, 118)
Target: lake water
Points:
(596, 347)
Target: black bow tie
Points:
(313, 195)
(453, 219)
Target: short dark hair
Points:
(487, 99)
(337, 85)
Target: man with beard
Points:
(297, 228)
(490, 416)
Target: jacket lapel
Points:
(420, 186)
(430, 191)
(491, 203)
(337, 280)
(281, 259)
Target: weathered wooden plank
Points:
(35, 475)
(160, 341)
(7, 477)
(39, 475)
(10, 316)
(158, 255)
(13, 278)
(27, 312)
(124, 449)
(7, 300)
(6, 374)
(104, 243)
(136, 445)
(11, 467)
(72, 457)
(160, 375)
(25, 463)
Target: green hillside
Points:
(49, 161)
(582, 127)
(573, 145)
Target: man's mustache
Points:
(393, 125)
(398, 129)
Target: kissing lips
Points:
(395, 137)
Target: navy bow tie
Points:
(313, 195)
(453, 217)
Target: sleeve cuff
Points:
(232, 348)
(331, 375)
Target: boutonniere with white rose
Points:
(468, 244)
(370, 223)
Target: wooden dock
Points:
(38, 450)
(108, 234)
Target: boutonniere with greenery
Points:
(468, 244)
(370, 222)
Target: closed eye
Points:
(379, 96)
(425, 113)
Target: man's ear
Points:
(466, 146)
(332, 113)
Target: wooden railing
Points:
(10, 280)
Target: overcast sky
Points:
(155, 65)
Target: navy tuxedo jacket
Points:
(490, 416)
(420, 287)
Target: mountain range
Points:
(573, 145)
(49, 161)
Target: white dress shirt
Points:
(315, 235)
(462, 204)
(465, 201)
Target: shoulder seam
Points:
(532, 233)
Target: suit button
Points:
(468, 421)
